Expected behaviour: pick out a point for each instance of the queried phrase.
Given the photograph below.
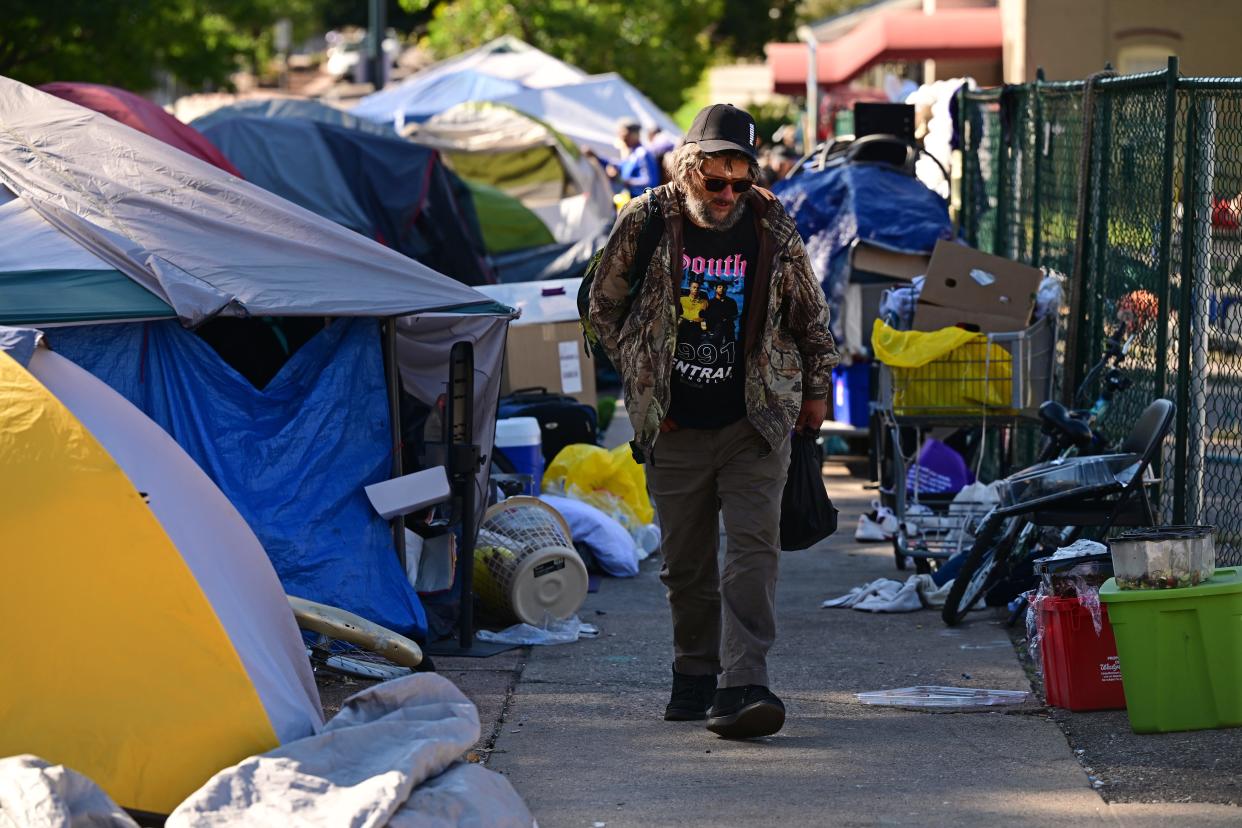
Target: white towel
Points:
(884, 586)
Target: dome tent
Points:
(311, 110)
(524, 158)
(115, 535)
(385, 188)
(145, 116)
(502, 67)
(587, 112)
(583, 107)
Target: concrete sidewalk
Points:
(581, 736)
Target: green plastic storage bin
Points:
(1181, 653)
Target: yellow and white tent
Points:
(157, 646)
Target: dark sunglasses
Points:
(716, 185)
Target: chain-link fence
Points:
(1132, 188)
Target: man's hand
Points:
(811, 417)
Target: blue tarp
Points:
(292, 457)
(418, 98)
(874, 202)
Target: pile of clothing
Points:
(887, 595)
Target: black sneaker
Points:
(690, 699)
(745, 712)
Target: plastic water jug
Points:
(520, 440)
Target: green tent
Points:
(507, 225)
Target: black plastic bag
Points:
(807, 514)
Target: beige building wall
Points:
(1071, 39)
(741, 84)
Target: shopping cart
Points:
(994, 381)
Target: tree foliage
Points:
(127, 43)
(660, 46)
(746, 26)
(811, 11)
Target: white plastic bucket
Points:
(521, 441)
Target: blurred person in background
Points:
(639, 169)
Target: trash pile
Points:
(602, 496)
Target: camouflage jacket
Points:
(789, 350)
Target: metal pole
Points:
(812, 88)
(465, 565)
(394, 419)
(1184, 318)
(1201, 281)
(1036, 211)
(463, 466)
(376, 24)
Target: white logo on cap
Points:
(752, 133)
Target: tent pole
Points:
(394, 418)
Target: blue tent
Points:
(388, 189)
(873, 202)
(306, 108)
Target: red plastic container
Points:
(1081, 670)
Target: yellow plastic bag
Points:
(946, 370)
(609, 480)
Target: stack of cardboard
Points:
(974, 290)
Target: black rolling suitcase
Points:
(562, 420)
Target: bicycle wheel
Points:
(346, 643)
(975, 576)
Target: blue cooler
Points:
(520, 440)
(851, 394)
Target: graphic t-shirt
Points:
(709, 374)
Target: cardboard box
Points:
(981, 284)
(933, 318)
(870, 259)
(551, 355)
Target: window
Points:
(1143, 57)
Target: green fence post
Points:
(966, 221)
(1003, 187)
(1077, 325)
(1165, 264)
(1037, 178)
(1184, 315)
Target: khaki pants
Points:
(722, 623)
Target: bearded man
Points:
(713, 422)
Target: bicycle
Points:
(342, 642)
(1074, 485)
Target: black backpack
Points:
(648, 239)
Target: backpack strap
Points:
(648, 240)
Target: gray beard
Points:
(701, 214)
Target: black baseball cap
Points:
(721, 127)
